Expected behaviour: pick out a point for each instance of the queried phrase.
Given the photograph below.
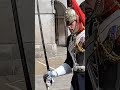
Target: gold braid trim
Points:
(111, 57)
(80, 47)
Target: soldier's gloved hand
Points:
(48, 78)
(61, 70)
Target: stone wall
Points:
(47, 14)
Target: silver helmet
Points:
(70, 16)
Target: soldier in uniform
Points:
(75, 53)
(103, 43)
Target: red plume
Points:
(78, 11)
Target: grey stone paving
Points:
(62, 82)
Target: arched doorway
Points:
(60, 28)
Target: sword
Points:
(41, 32)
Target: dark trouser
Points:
(78, 81)
(88, 83)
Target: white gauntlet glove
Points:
(61, 70)
(48, 78)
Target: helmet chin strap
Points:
(75, 31)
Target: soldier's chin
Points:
(71, 30)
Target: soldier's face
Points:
(72, 26)
(90, 3)
(89, 7)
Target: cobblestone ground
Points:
(62, 82)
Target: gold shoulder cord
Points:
(80, 47)
(111, 57)
(80, 44)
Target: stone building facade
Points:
(53, 26)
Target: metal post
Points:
(20, 44)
